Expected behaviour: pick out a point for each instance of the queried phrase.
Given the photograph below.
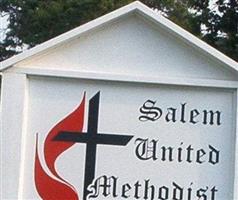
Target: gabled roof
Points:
(135, 7)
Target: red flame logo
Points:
(56, 188)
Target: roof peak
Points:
(135, 6)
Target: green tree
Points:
(223, 28)
(35, 21)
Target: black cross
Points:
(92, 138)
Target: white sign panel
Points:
(128, 106)
(114, 140)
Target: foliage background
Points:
(32, 22)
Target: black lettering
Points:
(190, 192)
(213, 155)
(147, 188)
(200, 154)
(171, 115)
(180, 149)
(193, 114)
(108, 186)
(189, 150)
(150, 112)
(146, 150)
(137, 186)
(201, 193)
(177, 192)
(209, 117)
(213, 193)
(164, 150)
(125, 188)
(183, 113)
(163, 193)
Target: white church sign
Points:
(128, 106)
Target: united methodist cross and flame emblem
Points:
(63, 136)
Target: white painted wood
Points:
(127, 78)
(140, 9)
(49, 96)
(70, 34)
(236, 145)
(188, 37)
(14, 89)
(123, 54)
(131, 45)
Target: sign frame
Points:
(17, 70)
(17, 103)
